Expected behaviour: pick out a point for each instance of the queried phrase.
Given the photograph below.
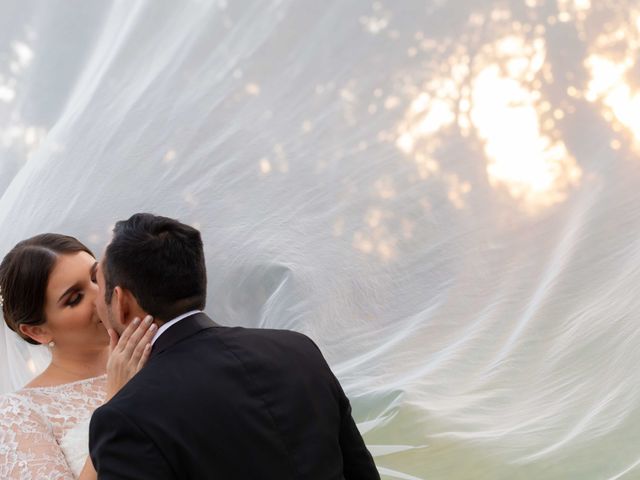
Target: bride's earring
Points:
(52, 344)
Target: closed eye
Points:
(75, 299)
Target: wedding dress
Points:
(44, 430)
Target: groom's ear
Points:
(120, 307)
(126, 305)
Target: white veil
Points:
(443, 195)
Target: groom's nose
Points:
(93, 291)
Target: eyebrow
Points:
(73, 287)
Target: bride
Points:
(47, 292)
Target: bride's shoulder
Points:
(14, 398)
(42, 397)
(42, 380)
(16, 407)
(50, 383)
(28, 401)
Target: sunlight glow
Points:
(533, 168)
(170, 156)
(502, 104)
(252, 89)
(378, 21)
(31, 365)
(265, 166)
(609, 84)
(28, 137)
(458, 191)
(23, 52)
(426, 116)
(7, 93)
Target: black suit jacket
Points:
(229, 403)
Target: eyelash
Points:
(76, 300)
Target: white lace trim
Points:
(34, 422)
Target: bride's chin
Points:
(104, 335)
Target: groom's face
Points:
(105, 311)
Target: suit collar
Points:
(181, 330)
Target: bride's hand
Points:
(129, 353)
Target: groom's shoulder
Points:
(270, 335)
(274, 345)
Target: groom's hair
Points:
(160, 261)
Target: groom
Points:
(212, 401)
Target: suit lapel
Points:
(181, 330)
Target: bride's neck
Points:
(77, 365)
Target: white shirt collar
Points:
(165, 326)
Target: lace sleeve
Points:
(28, 449)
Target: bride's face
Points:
(70, 310)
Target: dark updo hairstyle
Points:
(24, 275)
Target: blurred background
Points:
(444, 195)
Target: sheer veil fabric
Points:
(442, 195)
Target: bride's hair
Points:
(24, 275)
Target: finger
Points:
(145, 356)
(135, 337)
(148, 336)
(124, 338)
(142, 343)
(113, 340)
